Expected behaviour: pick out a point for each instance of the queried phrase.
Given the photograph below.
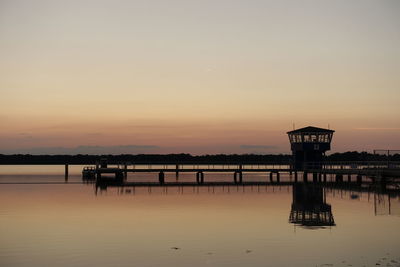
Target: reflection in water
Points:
(384, 204)
(309, 207)
(236, 225)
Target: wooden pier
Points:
(363, 171)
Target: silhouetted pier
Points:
(308, 147)
(363, 171)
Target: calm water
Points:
(67, 224)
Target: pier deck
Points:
(365, 172)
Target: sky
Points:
(200, 77)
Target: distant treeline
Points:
(144, 159)
(184, 158)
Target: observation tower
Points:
(309, 145)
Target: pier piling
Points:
(161, 177)
(339, 178)
(177, 171)
(238, 177)
(200, 177)
(315, 177)
(66, 172)
(305, 177)
(359, 179)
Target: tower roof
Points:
(311, 129)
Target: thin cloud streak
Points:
(264, 147)
(378, 129)
(259, 149)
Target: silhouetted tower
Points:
(309, 207)
(308, 145)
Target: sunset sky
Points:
(200, 77)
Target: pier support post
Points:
(315, 177)
(238, 177)
(349, 178)
(177, 171)
(359, 179)
(324, 177)
(295, 176)
(339, 178)
(382, 182)
(305, 177)
(271, 177)
(278, 177)
(200, 177)
(119, 176)
(320, 177)
(161, 177)
(66, 172)
(125, 171)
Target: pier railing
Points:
(334, 165)
(353, 165)
(376, 170)
(232, 167)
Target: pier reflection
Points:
(386, 204)
(309, 207)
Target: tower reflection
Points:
(309, 207)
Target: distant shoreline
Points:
(182, 158)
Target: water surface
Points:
(69, 224)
